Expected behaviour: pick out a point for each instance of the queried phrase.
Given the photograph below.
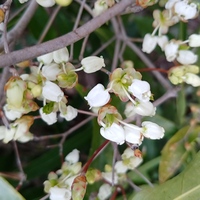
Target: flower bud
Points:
(149, 43)
(114, 133)
(72, 157)
(186, 57)
(59, 193)
(15, 88)
(92, 64)
(194, 40)
(52, 92)
(99, 7)
(192, 79)
(104, 192)
(171, 50)
(2, 15)
(36, 91)
(98, 96)
(46, 58)
(61, 55)
(51, 71)
(152, 130)
(140, 89)
(63, 2)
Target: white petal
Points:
(186, 57)
(51, 71)
(57, 193)
(48, 118)
(61, 55)
(149, 43)
(73, 157)
(70, 114)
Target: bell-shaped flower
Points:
(185, 11)
(170, 3)
(120, 168)
(98, 96)
(50, 118)
(46, 58)
(140, 89)
(22, 126)
(61, 55)
(52, 92)
(6, 134)
(186, 57)
(57, 193)
(152, 130)
(92, 64)
(108, 176)
(72, 157)
(114, 133)
(149, 43)
(51, 71)
(133, 135)
(15, 89)
(70, 114)
(171, 50)
(192, 79)
(162, 41)
(104, 191)
(99, 7)
(11, 114)
(130, 160)
(194, 40)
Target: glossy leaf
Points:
(184, 186)
(174, 153)
(8, 192)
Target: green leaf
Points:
(8, 192)
(174, 153)
(48, 108)
(184, 186)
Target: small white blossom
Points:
(149, 43)
(186, 57)
(72, 157)
(61, 55)
(92, 64)
(51, 71)
(152, 130)
(99, 7)
(185, 11)
(108, 176)
(46, 58)
(11, 114)
(104, 191)
(194, 40)
(192, 79)
(133, 135)
(162, 41)
(120, 168)
(140, 89)
(48, 118)
(70, 114)
(170, 4)
(97, 96)
(114, 133)
(52, 92)
(57, 193)
(171, 50)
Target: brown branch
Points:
(65, 40)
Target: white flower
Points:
(152, 130)
(70, 114)
(140, 89)
(48, 118)
(11, 114)
(98, 96)
(192, 79)
(133, 135)
(149, 43)
(99, 7)
(51, 71)
(170, 3)
(92, 64)
(104, 191)
(194, 40)
(171, 50)
(8, 133)
(46, 58)
(108, 176)
(61, 55)
(114, 133)
(72, 157)
(57, 193)
(120, 168)
(185, 10)
(129, 110)
(162, 41)
(186, 57)
(52, 92)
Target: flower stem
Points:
(153, 69)
(96, 153)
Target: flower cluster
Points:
(126, 83)
(175, 50)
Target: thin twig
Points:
(83, 47)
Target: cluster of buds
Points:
(126, 83)
(176, 50)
